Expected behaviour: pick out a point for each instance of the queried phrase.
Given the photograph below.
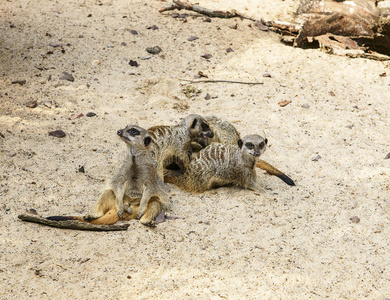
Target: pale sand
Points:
(287, 243)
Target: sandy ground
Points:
(286, 243)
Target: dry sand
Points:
(286, 243)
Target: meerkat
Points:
(223, 164)
(226, 133)
(171, 145)
(135, 182)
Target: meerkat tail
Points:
(273, 171)
(65, 218)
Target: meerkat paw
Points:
(92, 217)
(148, 223)
(141, 212)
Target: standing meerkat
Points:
(226, 133)
(135, 182)
(171, 146)
(223, 164)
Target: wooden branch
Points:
(215, 81)
(177, 4)
(72, 224)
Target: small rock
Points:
(206, 56)
(96, 62)
(21, 82)
(12, 26)
(261, 26)
(55, 45)
(32, 104)
(201, 74)
(317, 158)
(208, 20)
(355, 219)
(383, 74)
(48, 104)
(2, 135)
(235, 26)
(78, 116)
(228, 50)
(266, 74)
(32, 211)
(67, 76)
(146, 57)
(387, 156)
(207, 97)
(161, 217)
(192, 38)
(57, 133)
(90, 114)
(81, 169)
(154, 50)
(153, 27)
(134, 32)
(133, 63)
(306, 106)
(123, 44)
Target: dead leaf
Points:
(284, 103)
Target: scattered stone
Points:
(90, 114)
(133, 63)
(387, 156)
(96, 62)
(123, 44)
(349, 126)
(13, 154)
(32, 211)
(21, 82)
(12, 26)
(81, 36)
(192, 38)
(67, 76)
(266, 74)
(284, 103)
(32, 104)
(134, 32)
(261, 26)
(57, 133)
(383, 74)
(208, 20)
(207, 97)
(2, 135)
(81, 169)
(228, 50)
(161, 217)
(55, 45)
(317, 158)
(235, 26)
(146, 57)
(306, 106)
(78, 116)
(154, 50)
(332, 93)
(355, 219)
(206, 56)
(48, 104)
(153, 27)
(201, 74)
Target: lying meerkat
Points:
(226, 133)
(136, 182)
(223, 164)
(171, 145)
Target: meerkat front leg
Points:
(119, 194)
(146, 195)
(253, 185)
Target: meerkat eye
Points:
(249, 145)
(261, 145)
(133, 131)
(205, 127)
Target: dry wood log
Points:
(72, 224)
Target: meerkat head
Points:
(199, 129)
(253, 144)
(134, 135)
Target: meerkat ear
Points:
(194, 123)
(239, 143)
(266, 141)
(147, 140)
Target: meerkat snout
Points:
(119, 132)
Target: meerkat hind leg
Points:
(154, 208)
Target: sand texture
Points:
(327, 237)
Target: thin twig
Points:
(215, 81)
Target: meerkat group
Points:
(198, 154)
